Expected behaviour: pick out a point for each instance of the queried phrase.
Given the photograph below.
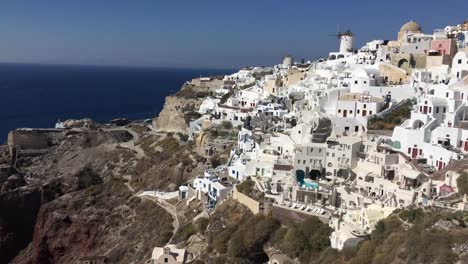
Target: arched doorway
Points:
(315, 175)
(418, 124)
(300, 175)
(403, 64)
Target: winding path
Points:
(171, 209)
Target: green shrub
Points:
(184, 233)
(411, 215)
(201, 224)
(246, 186)
(304, 239)
(226, 124)
(462, 183)
(215, 160)
(183, 137)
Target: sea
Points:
(37, 96)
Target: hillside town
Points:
(357, 157)
(349, 138)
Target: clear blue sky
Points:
(198, 33)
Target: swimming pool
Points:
(307, 183)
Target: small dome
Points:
(411, 26)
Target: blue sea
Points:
(38, 95)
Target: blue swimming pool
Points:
(307, 184)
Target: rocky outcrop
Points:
(175, 115)
(17, 219)
(77, 200)
(80, 123)
(101, 221)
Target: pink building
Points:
(444, 46)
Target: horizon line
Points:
(120, 66)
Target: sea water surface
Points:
(39, 95)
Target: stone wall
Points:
(286, 216)
(250, 203)
(28, 139)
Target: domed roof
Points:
(411, 26)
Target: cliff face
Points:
(101, 221)
(181, 108)
(79, 196)
(17, 217)
(174, 115)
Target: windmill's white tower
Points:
(346, 41)
(288, 61)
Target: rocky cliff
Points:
(181, 108)
(173, 117)
(78, 200)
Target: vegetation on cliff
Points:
(234, 235)
(392, 119)
(462, 183)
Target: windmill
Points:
(346, 40)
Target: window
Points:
(365, 106)
(339, 110)
(350, 111)
(444, 109)
(370, 112)
(166, 260)
(459, 61)
(355, 82)
(358, 111)
(446, 94)
(356, 128)
(365, 82)
(437, 110)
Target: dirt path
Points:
(131, 143)
(171, 209)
